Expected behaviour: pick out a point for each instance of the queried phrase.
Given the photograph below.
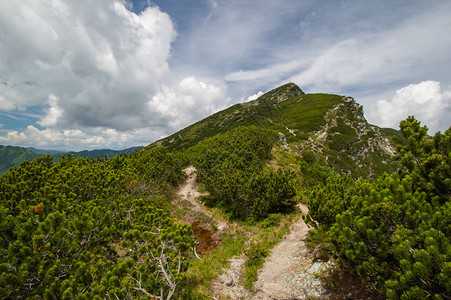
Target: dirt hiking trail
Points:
(188, 191)
(289, 272)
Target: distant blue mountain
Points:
(11, 156)
(101, 153)
(44, 152)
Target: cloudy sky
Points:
(113, 74)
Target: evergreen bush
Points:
(394, 232)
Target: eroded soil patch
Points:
(201, 220)
(207, 240)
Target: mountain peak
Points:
(332, 125)
(282, 93)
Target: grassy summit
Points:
(281, 108)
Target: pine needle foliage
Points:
(394, 232)
(91, 228)
(230, 166)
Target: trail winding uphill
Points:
(288, 272)
(188, 191)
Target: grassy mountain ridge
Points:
(330, 125)
(103, 152)
(278, 109)
(44, 151)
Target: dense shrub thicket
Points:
(230, 166)
(91, 228)
(394, 231)
(98, 228)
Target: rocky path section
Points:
(289, 271)
(228, 285)
(188, 190)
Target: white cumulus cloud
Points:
(53, 113)
(97, 72)
(426, 101)
(254, 96)
(188, 101)
(99, 61)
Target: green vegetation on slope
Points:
(329, 124)
(101, 228)
(89, 229)
(11, 156)
(283, 107)
(230, 166)
(352, 146)
(394, 232)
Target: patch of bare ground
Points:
(202, 220)
(188, 191)
(207, 240)
(228, 285)
(290, 271)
